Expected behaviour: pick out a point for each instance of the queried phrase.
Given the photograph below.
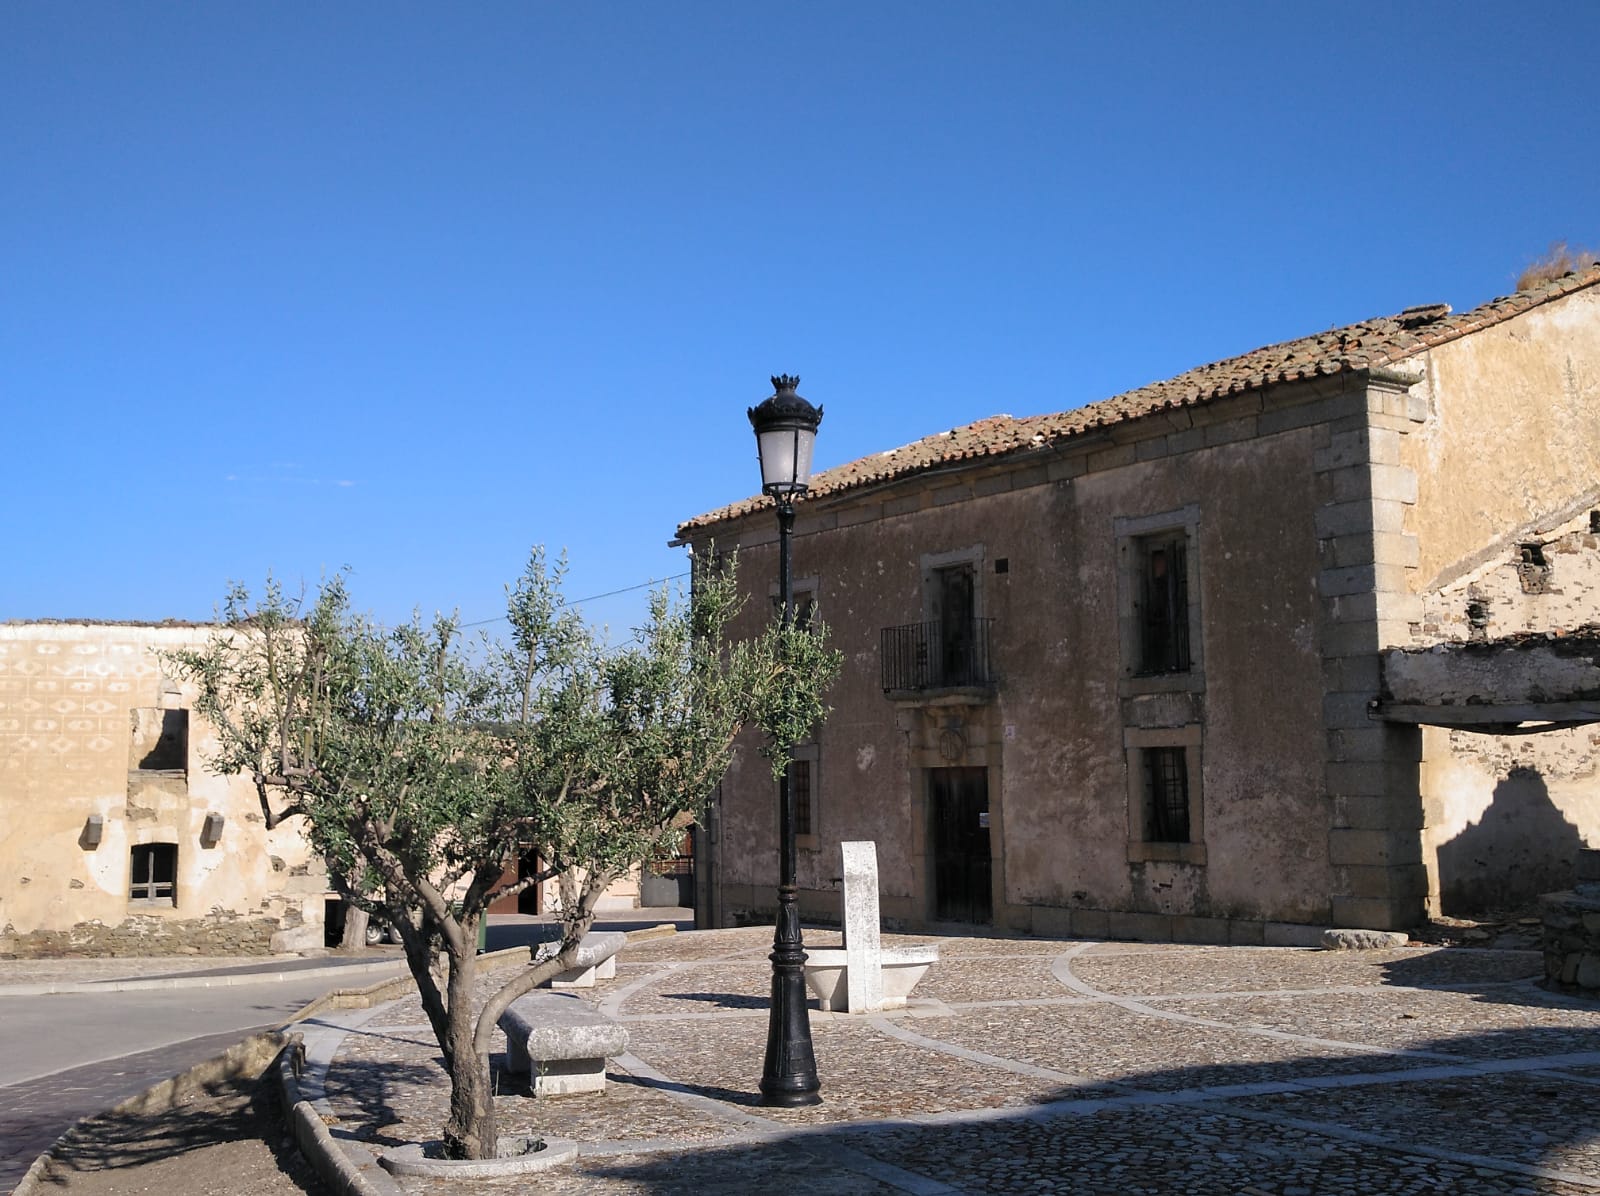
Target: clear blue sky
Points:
(411, 287)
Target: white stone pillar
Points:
(863, 953)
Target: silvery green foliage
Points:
(423, 765)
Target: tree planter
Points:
(519, 1155)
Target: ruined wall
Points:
(1505, 815)
(91, 728)
(1541, 576)
(1507, 467)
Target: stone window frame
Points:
(974, 558)
(1136, 741)
(809, 754)
(1130, 533)
(930, 563)
(803, 588)
(151, 896)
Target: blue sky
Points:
(408, 288)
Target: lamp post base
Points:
(789, 1076)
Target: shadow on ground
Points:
(229, 1137)
(1465, 1113)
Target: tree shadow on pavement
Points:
(226, 1137)
(375, 1088)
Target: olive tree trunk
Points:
(354, 935)
(471, 1132)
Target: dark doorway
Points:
(958, 804)
(527, 901)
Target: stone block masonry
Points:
(1369, 775)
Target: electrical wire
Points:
(643, 585)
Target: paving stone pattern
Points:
(1053, 1067)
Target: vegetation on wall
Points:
(1559, 260)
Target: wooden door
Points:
(958, 805)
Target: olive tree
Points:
(421, 765)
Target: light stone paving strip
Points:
(1294, 1072)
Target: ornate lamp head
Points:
(786, 431)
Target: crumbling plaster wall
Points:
(1510, 455)
(68, 693)
(1512, 436)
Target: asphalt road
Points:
(68, 1055)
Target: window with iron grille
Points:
(1158, 602)
(1163, 604)
(155, 873)
(1166, 805)
(1166, 773)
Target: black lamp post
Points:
(786, 429)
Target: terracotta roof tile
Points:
(1383, 341)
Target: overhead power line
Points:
(643, 585)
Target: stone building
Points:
(114, 837)
(1123, 670)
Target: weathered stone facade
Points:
(114, 836)
(1323, 502)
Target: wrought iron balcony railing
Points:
(923, 656)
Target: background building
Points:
(114, 836)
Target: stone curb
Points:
(356, 998)
(233, 980)
(248, 1058)
(349, 1169)
(664, 930)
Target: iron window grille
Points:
(1166, 771)
(1164, 605)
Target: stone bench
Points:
(561, 1042)
(597, 959)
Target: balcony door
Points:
(958, 808)
(955, 612)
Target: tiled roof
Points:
(1384, 341)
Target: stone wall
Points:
(220, 934)
(1572, 930)
(1059, 736)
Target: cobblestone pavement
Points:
(1038, 1066)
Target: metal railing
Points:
(921, 656)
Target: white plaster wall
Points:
(66, 696)
(1510, 453)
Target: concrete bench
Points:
(597, 959)
(560, 1042)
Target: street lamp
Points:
(786, 430)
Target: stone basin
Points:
(827, 975)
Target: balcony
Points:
(923, 657)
